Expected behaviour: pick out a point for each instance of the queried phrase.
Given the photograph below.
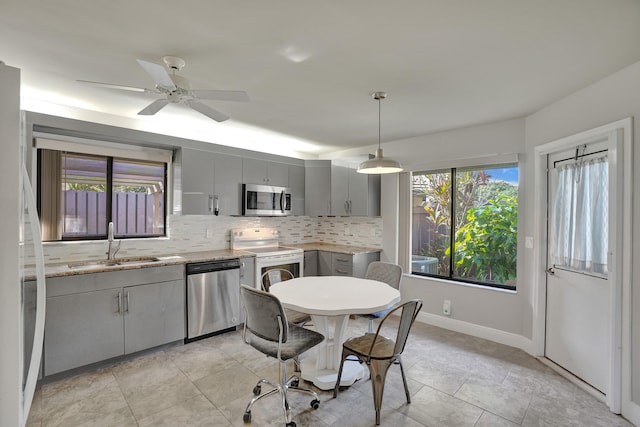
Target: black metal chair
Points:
(379, 353)
(391, 274)
(267, 330)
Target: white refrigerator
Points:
(21, 327)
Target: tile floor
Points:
(454, 379)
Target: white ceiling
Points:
(309, 67)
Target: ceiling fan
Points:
(177, 90)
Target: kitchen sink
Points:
(113, 262)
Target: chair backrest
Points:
(273, 276)
(410, 310)
(263, 314)
(385, 272)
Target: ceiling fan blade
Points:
(207, 111)
(222, 95)
(158, 73)
(154, 107)
(120, 87)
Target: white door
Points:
(578, 289)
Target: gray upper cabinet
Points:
(317, 184)
(256, 171)
(210, 180)
(297, 186)
(339, 190)
(354, 194)
(197, 181)
(228, 184)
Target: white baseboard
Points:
(631, 411)
(491, 334)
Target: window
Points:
(79, 194)
(464, 224)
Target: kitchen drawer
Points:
(342, 264)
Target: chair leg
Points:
(337, 386)
(378, 369)
(260, 396)
(404, 379)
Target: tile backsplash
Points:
(193, 233)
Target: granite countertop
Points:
(98, 266)
(330, 247)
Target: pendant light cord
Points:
(379, 120)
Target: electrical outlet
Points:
(528, 242)
(446, 307)
(347, 231)
(373, 232)
(209, 233)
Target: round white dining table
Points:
(330, 300)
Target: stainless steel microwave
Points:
(265, 200)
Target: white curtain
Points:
(580, 221)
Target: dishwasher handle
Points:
(208, 266)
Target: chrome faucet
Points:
(113, 249)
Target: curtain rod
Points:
(574, 158)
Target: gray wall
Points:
(613, 98)
(498, 309)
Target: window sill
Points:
(465, 284)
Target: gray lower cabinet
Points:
(324, 263)
(81, 329)
(248, 271)
(311, 263)
(94, 317)
(154, 315)
(340, 264)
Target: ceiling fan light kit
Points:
(177, 90)
(379, 164)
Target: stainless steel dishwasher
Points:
(213, 297)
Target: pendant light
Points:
(379, 165)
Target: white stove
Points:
(264, 244)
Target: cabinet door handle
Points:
(242, 269)
(341, 271)
(346, 206)
(119, 297)
(126, 310)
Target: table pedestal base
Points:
(325, 379)
(322, 370)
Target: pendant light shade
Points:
(379, 164)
